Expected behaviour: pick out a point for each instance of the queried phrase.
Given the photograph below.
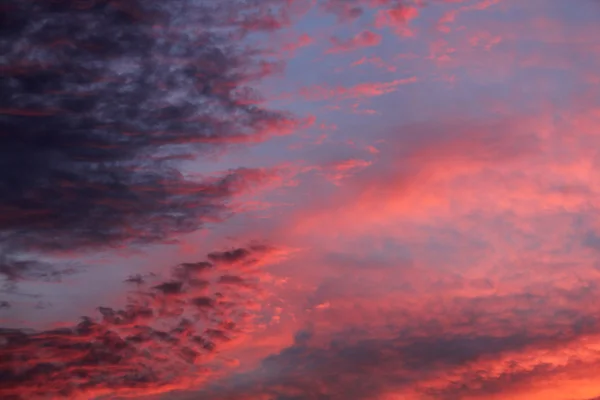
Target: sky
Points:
(300, 199)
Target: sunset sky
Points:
(300, 199)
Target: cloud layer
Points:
(419, 222)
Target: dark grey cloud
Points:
(229, 257)
(101, 101)
(344, 9)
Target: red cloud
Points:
(164, 339)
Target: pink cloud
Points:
(303, 40)
(485, 40)
(362, 39)
(370, 89)
(338, 171)
(495, 314)
(377, 61)
(397, 19)
(450, 17)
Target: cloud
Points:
(450, 16)
(459, 350)
(345, 10)
(376, 61)
(394, 12)
(413, 176)
(362, 39)
(301, 41)
(454, 257)
(397, 18)
(101, 103)
(229, 257)
(362, 90)
(482, 308)
(338, 171)
(263, 17)
(166, 337)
